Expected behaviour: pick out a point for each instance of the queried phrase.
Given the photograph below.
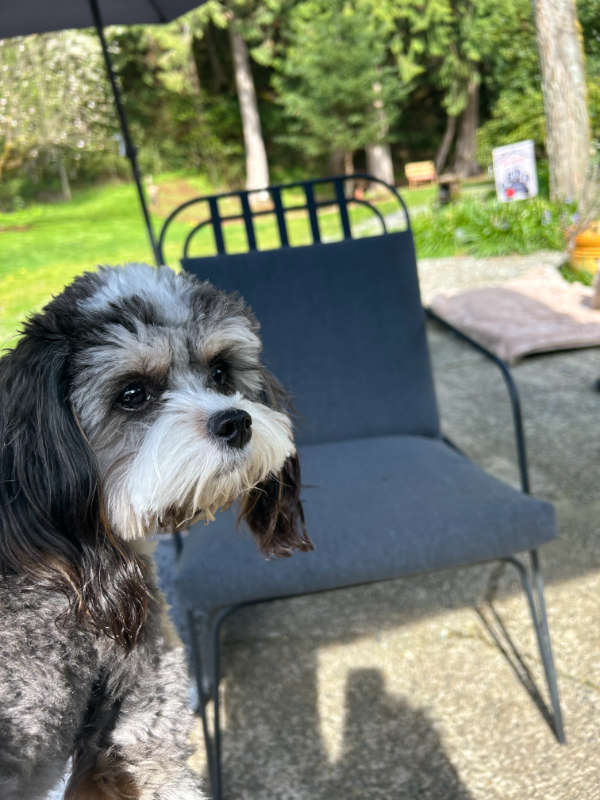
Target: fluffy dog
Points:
(135, 402)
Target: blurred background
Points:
(251, 92)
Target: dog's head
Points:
(136, 401)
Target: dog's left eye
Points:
(134, 397)
(219, 374)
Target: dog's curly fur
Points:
(107, 424)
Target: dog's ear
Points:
(273, 510)
(52, 529)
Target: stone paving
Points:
(398, 690)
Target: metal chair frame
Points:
(207, 665)
(208, 669)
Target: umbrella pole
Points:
(130, 149)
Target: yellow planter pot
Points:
(586, 252)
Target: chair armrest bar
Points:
(512, 392)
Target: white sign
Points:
(514, 171)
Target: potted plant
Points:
(583, 237)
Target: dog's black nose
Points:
(234, 426)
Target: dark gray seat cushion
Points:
(376, 508)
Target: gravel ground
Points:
(437, 275)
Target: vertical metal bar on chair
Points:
(197, 666)
(312, 212)
(512, 392)
(208, 677)
(130, 149)
(248, 221)
(215, 219)
(540, 623)
(343, 206)
(546, 646)
(280, 215)
(177, 543)
(216, 774)
(216, 778)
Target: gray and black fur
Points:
(118, 415)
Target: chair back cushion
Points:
(343, 329)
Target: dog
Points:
(135, 402)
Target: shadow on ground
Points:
(391, 751)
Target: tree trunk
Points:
(218, 73)
(446, 144)
(565, 100)
(341, 162)
(64, 178)
(348, 162)
(465, 163)
(379, 154)
(596, 294)
(379, 162)
(190, 68)
(257, 169)
(336, 162)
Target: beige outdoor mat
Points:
(536, 313)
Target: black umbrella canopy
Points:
(41, 16)
(22, 17)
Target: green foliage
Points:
(572, 275)
(314, 62)
(513, 81)
(335, 84)
(55, 111)
(512, 75)
(517, 114)
(589, 18)
(491, 228)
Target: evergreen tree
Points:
(335, 80)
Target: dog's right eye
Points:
(134, 397)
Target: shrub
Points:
(490, 228)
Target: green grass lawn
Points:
(44, 246)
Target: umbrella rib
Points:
(158, 11)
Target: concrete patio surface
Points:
(398, 690)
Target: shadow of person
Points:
(389, 750)
(278, 746)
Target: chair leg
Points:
(531, 580)
(206, 663)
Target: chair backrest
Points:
(342, 324)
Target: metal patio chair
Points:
(344, 330)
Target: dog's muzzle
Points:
(232, 427)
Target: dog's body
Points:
(124, 717)
(136, 401)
